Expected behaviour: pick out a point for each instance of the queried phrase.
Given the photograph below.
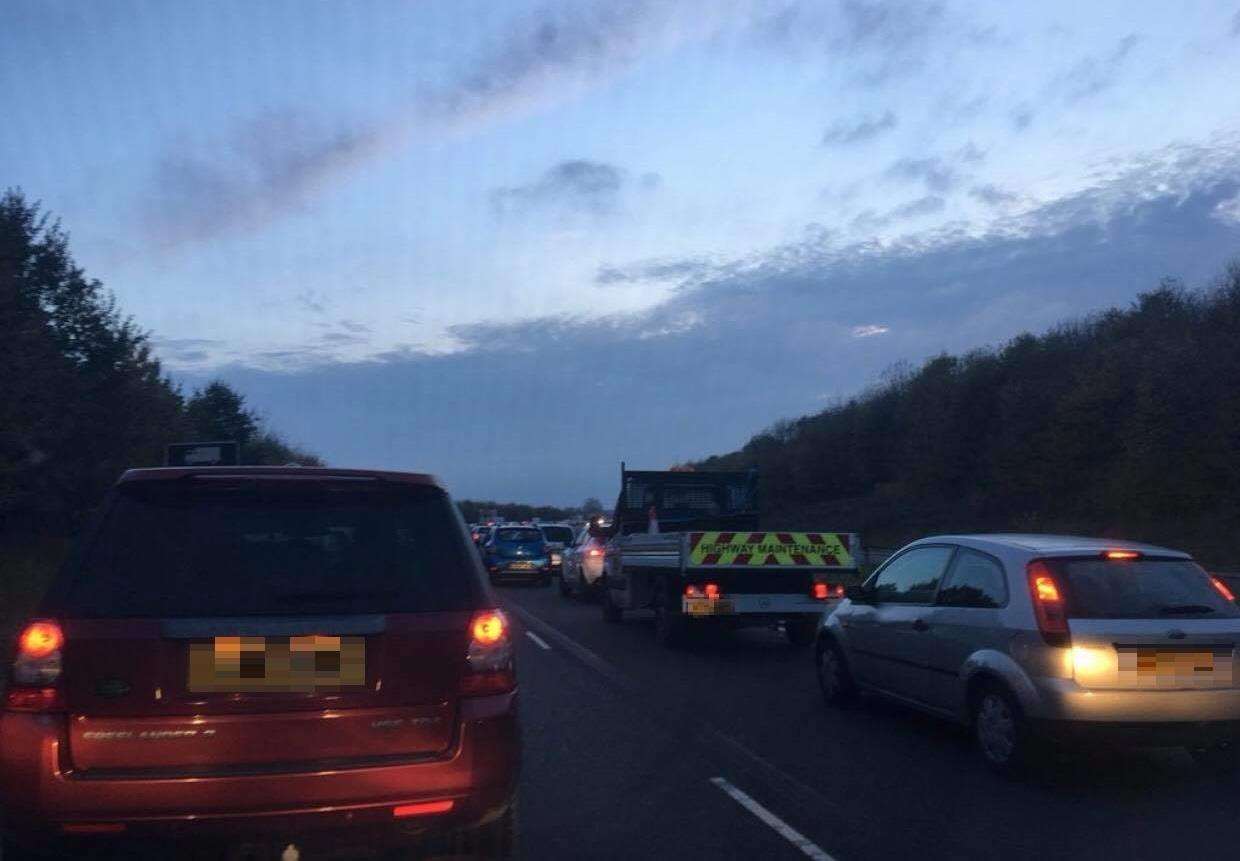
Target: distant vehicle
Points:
(583, 566)
(517, 552)
(479, 534)
(688, 545)
(256, 652)
(558, 536)
(1037, 638)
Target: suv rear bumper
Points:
(41, 793)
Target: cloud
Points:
(1093, 75)
(1235, 24)
(869, 331)
(758, 339)
(577, 185)
(937, 173)
(1022, 118)
(653, 270)
(268, 166)
(354, 327)
(186, 352)
(927, 205)
(859, 130)
(992, 195)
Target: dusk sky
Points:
(513, 244)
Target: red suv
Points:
(265, 656)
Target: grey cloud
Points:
(992, 194)
(927, 205)
(353, 327)
(1022, 118)
(860, 130)
(342, 338)
(653, 270)
(1093, 75)
(309, 300)
(762, 338)
(575, 185)
(937, 173)
(1235, 24)
(178, 352)
(261, 169)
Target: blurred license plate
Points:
(1157, 667)
(707, 607)
(521, 566)
(286, 664)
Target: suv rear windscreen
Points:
(212, 547)
(1142, 589)
(562, 534)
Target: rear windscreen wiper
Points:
(1184, 609)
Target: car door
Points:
(885, 636)
(964, 620)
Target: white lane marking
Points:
(539, 640)
(783, 829)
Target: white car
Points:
(583, 566)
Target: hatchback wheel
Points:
(1002, 736)
(834, 679)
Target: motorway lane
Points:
(875, 781)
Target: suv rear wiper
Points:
(1184, 609)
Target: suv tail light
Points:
(1048, 604)
(36, 669)
(489, 667)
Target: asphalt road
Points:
(634, 751)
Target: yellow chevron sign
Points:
(823, 549)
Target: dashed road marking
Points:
(808, 847)
(539, 640)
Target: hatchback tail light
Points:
(37, 668)
(594, 551)
(1048, 604)
(489, 665)
(1222, 588)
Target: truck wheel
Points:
(611, 613)
(800, 632)
(669, 622)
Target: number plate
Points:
(707, 607)
(521, 566)
(277, 664)
(1174, 668)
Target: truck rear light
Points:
(827, 591)
(489, 665)
(1048, 604)
(423, 808)
(711, 590)
(694, 591)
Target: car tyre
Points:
(835, 680)
(1221, 758)
(1001, 731)
(611, 613)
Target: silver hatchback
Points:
(1037, 638)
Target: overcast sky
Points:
(513, 244)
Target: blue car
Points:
(517, 553)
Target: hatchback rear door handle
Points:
(919, 625)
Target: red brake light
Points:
(712, 591)
(1222, 588)
(821, 591)
(1121, 555)
(488, 628)
(1048, 606)
(693, 591)
(32, 699)
(594, 551)
(39, 640)
(423, 808)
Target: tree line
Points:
(476, 511)
(82, 397)
(1121, 424)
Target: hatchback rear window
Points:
(215, 548)
(524, 536)
(562, 534)
(1142, 589)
